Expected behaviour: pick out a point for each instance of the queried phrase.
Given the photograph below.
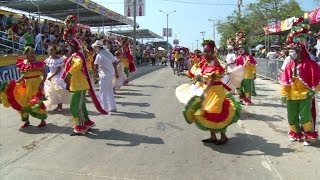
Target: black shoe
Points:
(220, 142)
(209, 140)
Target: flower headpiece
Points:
(231, 43)
(240, 38)
(70, 31)
(298, 33)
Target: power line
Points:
(200, 3)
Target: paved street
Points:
(148, 139)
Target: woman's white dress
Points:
(118, 82)
(55, 89)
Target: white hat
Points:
(98, 43)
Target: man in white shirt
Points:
(38, 42)
(22, 43)
(273, 54)
(52, 38)
(231, 57)
(106, 64)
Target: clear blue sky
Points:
(191, 16)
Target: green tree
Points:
(256, 16)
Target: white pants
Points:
(106, 93)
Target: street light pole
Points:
(134, 30)
(167, 30)
(202, 32)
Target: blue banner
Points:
(8, 73)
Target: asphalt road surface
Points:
(148, 139)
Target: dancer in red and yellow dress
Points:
(215, 110)
(195, 60)
(26, 94)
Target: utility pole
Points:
(214, 29)
(239, 7)
(197, 44)
(167, 32)
(202, 33)
(134, 29)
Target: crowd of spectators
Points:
(279, 52)
(16, 32)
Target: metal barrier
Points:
(269, 68)
(7, 45)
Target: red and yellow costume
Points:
(78, 81)
(25, 96)
(249, 64)
(215, 110)
(300, 82)
(195, 60)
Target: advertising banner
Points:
(272, 28)
(140, 8)
(313, 16)
(8, 73)
(88, 4)
(287, 24)
(164, 32)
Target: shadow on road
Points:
(112, 134)
(131, 94)
(260, 117)
(143, 115)
(144, 86)
(66, 111)
(264, 89)
(124, 89)
(269, 105)
(117, 135)
(133, 104)
(250, 145)
(50, 128)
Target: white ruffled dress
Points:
(55, 89)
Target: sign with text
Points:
(11, 72)
(140, 8)
(8, 73)
(164, 32)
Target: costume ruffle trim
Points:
(192, 106)
(36, 112)
(10, 96)
(54, 62)
(231, 114)
(23, 66)
(190, 74)
(3, 95)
